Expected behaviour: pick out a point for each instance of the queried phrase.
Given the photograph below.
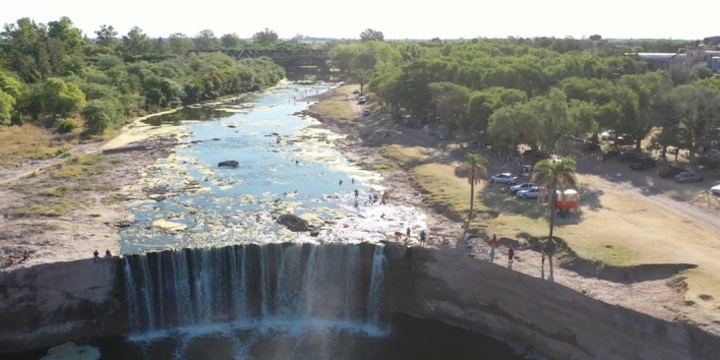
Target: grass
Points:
(59, 191)
(113, 199)
(407, 157)
(383, 167)
(27, 142)
(80, 165)
(338, 106)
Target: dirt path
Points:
(638, 210)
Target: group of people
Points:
(423, 236)
(96, 255)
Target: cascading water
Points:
(189, 287)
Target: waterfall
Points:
(255, 282)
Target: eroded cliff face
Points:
(550, 319)
(52, 303)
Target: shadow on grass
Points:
(568, 259)
(502, 202)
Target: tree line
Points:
(539, 91)
(55, 75)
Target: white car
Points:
(715, 189)
(504, 178)
(515, 188)
(607, 135)
(531, 193)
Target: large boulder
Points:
(293, 222)
(229, 163)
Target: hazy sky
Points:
(397, 19)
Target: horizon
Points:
(331, 20)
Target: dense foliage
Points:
(55, 75)
(539, 92)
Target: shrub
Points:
(66, 125)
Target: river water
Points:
(287, 164)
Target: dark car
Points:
(624, 139)
(627, 156)
(643, 163)
(611, 154)
(670, 171)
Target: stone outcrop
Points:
(229, 163)
(293, 222)
(49, 304)
(550, 319)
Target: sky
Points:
(396, 19)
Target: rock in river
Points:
(293, 222)
(229, 163)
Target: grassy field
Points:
(29, 142)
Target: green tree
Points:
(179, 44)
(450, 102)
(265, 37)
(59, 98)
(230, 41)
(554, 175)
(206, 40)
(7, 105)
(99, 116)
(107, 36)
(371, 35)
(476, 165)
(22, 46)
(136, 42)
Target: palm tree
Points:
(554, 174)
(476, 164)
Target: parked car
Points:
(611, 154)
(624, 139)
(688, 176)
(366, 112)
(643, 163)
(607, 135)
(504, 178)
(670, 172)
(627, 156)
(515, 188)
(531, 193)
(715, 190)
(361, 100)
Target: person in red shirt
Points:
(493, 242)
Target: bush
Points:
(66, 126)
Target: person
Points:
(398, 235)
(357, 193)
(511, 255)
(340, 182)
(493, 242)
(492, 181)
(297, 162)
(423, 237)
(96, 256)
(542, 266)
(108, 254)
(352, 180)
(357, 204)
(408, 232)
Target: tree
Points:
(179, 44)
(371, 35)
(59, 98)
(450, 102)
(265, 37)
(476, 164)
(136, 42)
(99, 115)
(107, 36)
(553, 175)
(230, 41)
(7, 104)
(206, 40)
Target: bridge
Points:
(283, 58)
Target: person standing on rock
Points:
(511, 255)
(408, 232)
(493, 245)
(357, 193)
(423, 238)
(96, 256)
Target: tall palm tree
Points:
(595, 38)
(476, 164)
(554, 174)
